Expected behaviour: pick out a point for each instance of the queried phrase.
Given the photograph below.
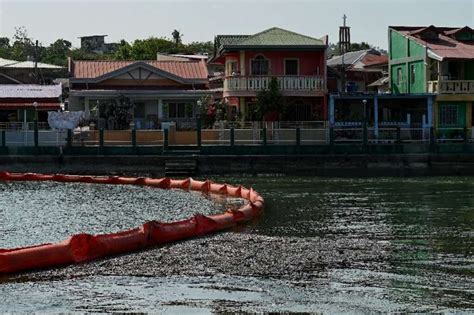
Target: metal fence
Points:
(247, 135)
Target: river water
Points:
(323, 245)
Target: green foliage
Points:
(57, 52)
(333, 49)
(199, 47)
(21, 47)
(117, 112)
(4, 47)
(124, 51)
(210, 113)
(146, 49)
(269, 101)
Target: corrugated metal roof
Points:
(39, 105)
(380, 82)
(444, 46)
(373, 60)
(30, 91)
(5, 63)
(350, 58)
(183, 69)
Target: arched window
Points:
(260, 66)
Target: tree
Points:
(269, 102)
(57, 52)
(117, 113)
(199, 48)
(5, 47)
(359, 46)
(124, 51)
(143, 49)
(177, 36)
(212, 112)
(22, 46)
(334, 48)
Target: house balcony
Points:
(289, 85)
(451, 87)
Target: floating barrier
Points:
(85, 247)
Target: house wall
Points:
(310, 62)
(418, 83)
(405, 54)
(397, 46)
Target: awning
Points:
(42, 106)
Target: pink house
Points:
(297, 61)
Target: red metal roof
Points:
(444, 46)
(21, 105)
(372, 60)
(183, 69)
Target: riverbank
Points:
(358, 165)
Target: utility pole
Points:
(36, 62)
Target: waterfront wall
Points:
(227, 165)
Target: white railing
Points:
(451, 86)
(17, 138)
(286, 83)
(271, 124)
(23, 126)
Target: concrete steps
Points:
(181, 167)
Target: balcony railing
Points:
(286, 83)
(451, 86)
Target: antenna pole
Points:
(344, 47)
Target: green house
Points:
(437, 60)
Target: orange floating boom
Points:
(85, 247)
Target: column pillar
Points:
(242, 63)
(331, 110)
(376, 116)
(468, 115)
(87, 109)
(160, 109)
(429, 111)
(242, 108)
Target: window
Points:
(180, 110)
(259, 66)
(291, 67)
(399, 75)
(412, 74)
(231, 68)
(448, 115)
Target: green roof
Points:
(230, 39)
(279, 37)
(272, 38)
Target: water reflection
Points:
(421, 229)
(40, 212)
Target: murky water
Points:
(40, 212)
(359, 245)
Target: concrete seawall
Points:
(314, 165)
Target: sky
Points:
(201, 20)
